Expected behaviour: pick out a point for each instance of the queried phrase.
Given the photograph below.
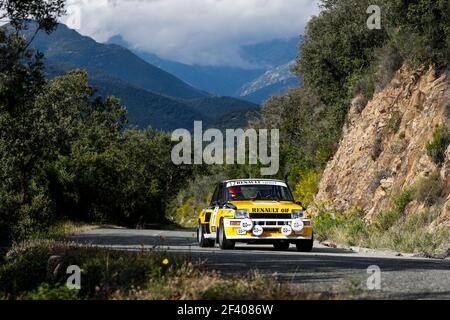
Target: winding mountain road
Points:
(323, 270)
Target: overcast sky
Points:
(192, 31)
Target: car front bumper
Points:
(272, 230)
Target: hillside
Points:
(214, 108)
(152, 96)
(219, 80)
(69, 47)
(383, 152)
(263, 59)
(273, 82)
(163, 113)
(226, 113)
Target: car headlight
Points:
(298, 214)
(241, 214)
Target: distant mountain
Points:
(165, 113)
(69, 47)
(152, 96)
(144, 108)
(216, 108)
(218, 80)
(271, 54)
(274, 82)
(267, 57)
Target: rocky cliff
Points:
(383, 148)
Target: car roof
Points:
(236, 180)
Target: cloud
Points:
(193, 31)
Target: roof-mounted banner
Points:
(256, 182)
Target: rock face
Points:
(383, 148)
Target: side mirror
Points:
(230, 206)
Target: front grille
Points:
(268, 216)
(207, 216)
(271, 223)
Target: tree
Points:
(24, 144)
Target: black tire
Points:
(305, 245)
(224, 243)
(281, 245)
(202, 241)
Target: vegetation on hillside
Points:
(64, 153)
(437, 147)
(67, 154)
(389, 231)
(340, 59)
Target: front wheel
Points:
(305, 245)
(224, 243)
(202, 241)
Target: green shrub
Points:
(307, 186)
(348, 227)
(48, 292)
(194, 197)
(402, 201)
(420, 219)
(356, 229)
(412, 240)
(411, 234)
(387, 231)
(28, 273)
(364, 85)
(386, 219)
(429, 190)
(324, 222)
(24, 270)
(419, 29)
(437, 147)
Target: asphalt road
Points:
(323, 270)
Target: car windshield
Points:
(259, 192)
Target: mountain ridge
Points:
(164, 104)
(68, 46)
(265, 57)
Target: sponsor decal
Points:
(256, 182)
(241, 232)
(270, 210)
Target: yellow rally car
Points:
(257, 212)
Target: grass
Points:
(36, 270)
(390, 230)
(393, 229)
(429, 190)
(64, 229)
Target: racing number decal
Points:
(214, 216)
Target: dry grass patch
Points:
(36, 271)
